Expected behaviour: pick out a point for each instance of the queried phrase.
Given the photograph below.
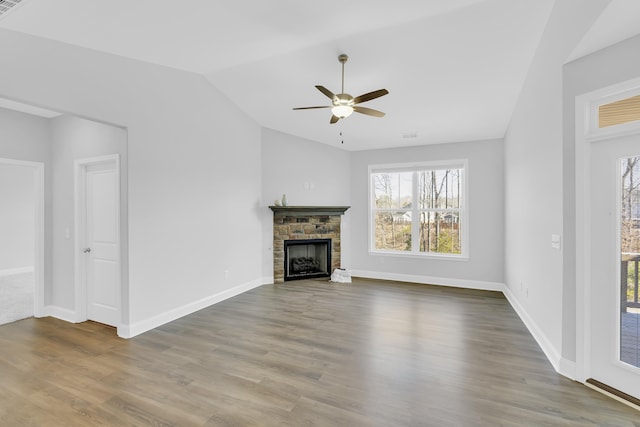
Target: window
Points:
(419, 209)
(619, 112)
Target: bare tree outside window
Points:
(425, 204)
(630, 220)
(439, 192)
(393, 205)
(630, 260)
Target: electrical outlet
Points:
(226, 274)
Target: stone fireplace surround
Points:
(302, 223)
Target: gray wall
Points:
(17, 219)
(309, 173)
(533, 176)
(74, 138)
(486, 216)
(194, 168)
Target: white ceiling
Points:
(454, 68)
(619, 21)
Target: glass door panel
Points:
(614, 264)
(629, 260)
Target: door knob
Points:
(87, 250)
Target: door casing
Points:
(587, 132)
(80, 225)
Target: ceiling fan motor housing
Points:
(343, 99)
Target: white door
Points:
(615, 258)
(101, 249)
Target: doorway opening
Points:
(22, 245)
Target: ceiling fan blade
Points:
(334, 119)
(326, 91)
(368, 111)
(369, 96)
(311, 108)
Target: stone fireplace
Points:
(306, 231)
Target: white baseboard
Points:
(12, 271)
(430, 280)
(553, 355)
(130, 331)
(568, 369)
(60, 313)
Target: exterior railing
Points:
(629, 281)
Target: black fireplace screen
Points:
(304, 259)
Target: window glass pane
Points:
(630, 259)
(439, 189)
(440, 232)
(393, 231)
(619, 112)
(392, 190)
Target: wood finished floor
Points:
(305, 353)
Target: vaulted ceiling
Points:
(454, 68)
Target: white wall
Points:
(610, 66)
(484, 269)
(194, 168)
(533, 182)
(17, 220)
(74, 138)
(310, 174)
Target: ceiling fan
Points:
(343, 104)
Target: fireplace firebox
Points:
(305, 259)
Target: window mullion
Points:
(415, 218)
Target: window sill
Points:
(423, 256)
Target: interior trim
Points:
(615, 393)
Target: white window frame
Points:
(462, 164)
(591, 129)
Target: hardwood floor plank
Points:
(370, 353)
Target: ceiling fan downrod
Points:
(343, 57)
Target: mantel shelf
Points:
(308, 210)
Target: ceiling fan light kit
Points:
(343, 104)
(342, 111)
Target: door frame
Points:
(587, 132)
(39, 251)
(80, 228)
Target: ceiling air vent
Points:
(7, 6)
